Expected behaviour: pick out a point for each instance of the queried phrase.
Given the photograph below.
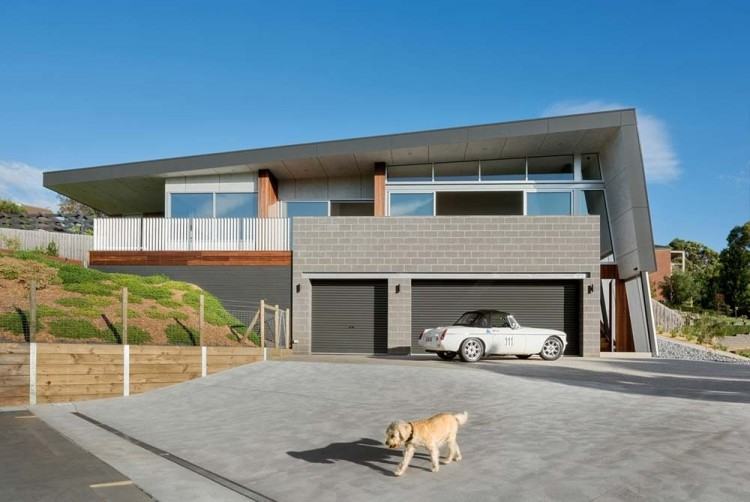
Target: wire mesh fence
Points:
(135, 321)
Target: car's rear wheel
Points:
(523, 356)
(446, 356)
(552, 349)
(471, 350)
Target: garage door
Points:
(350, 316)
(541, 304)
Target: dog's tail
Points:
(461, 418)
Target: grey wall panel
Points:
(238, 287)
(541, 304)
(350, 316)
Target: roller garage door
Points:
(350, 316)
(538, 303)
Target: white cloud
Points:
(22, 183)
(659, 157)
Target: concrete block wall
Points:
(401, 248)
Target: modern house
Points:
(371, 240)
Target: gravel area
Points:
(673, 349)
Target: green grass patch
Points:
(84, 301)
(37, 256)
(179, 286)
(214, 311)
(49, 311)
(77, 329)
(178, 335)
(143, 287)
(73, 274)
(91, 288)
(136, 335)
(15, 322)
(169, 303)
(156, 313)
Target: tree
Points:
(703, 264)
(681, 288)
(10, 207)
(734, 279)
(70, 206)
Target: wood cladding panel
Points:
(184, 258)
(379, 189)
(14, 374)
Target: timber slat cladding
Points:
(14, 374)
(228, 258)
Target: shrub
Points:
(76, 328)
(179, 335)
(10, 207)
(52, 249)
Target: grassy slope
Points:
(75, 303)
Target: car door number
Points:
(508, 341)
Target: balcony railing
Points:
(192, 234)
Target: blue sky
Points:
(87, 83)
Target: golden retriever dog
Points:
(430, 433)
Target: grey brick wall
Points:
(389, 246)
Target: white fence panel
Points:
(70, 246)
(185, 234)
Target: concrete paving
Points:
(37, 463)
(574, 430)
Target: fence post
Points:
(276, 327)
(287, 326)
(262, 322)
(201, 313)
(32, 311)
(124, 337)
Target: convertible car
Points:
(480, 333)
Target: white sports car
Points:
(486, 332)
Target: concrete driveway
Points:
(571, 430)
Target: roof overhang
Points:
(138, 186)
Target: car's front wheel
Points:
(552, 349)
(471, 350)
(446, 356)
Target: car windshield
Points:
(473, 319)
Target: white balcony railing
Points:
(191, 234)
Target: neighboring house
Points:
(371, 240)
(668, 261)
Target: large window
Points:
(192, 205)
(412, 204)
(457, 171)
(213, 205)
(312, 208)
(352, 208)
(548, 203)
(592, 202)
(504, 170)
(479, 203)
(551, 168)
(236, 205)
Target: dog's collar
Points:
(411, 434)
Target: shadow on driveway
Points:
(708, 381)
(367, 452)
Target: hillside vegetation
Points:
(83, 305)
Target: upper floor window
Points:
(590, 169)
(551, 168)
(504, 170)
(413, 173)
(213, 205)
(412, 204)
(306, 208)
(236, 205)
(457, 171)
(191, 205)
(548, 203)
